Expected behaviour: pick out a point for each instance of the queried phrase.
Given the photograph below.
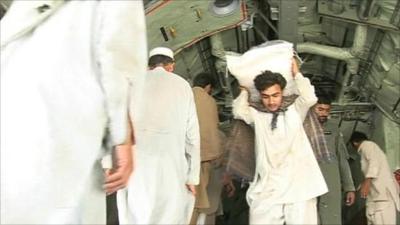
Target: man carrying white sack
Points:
(287, 179)
(162, 188)
(68, 69)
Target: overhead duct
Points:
(364, 10)
(350, 55)
(336, 7)
(374, 13)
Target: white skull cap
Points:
(162, 51)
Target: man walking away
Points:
(168, 149)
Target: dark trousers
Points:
(236, 209)
(112, 210)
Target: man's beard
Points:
(272, 108)
(322, 119)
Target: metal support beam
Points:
(288, 20)
(267, 21)
(395, 19)
(260, 33)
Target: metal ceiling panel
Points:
(179, 24)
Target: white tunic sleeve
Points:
(373, 162)
(192, 148)
(307, 96)
(121, 55)
(241, 108)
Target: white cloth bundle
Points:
(275, 56)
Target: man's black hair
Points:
(358, 137)
(204, 79)
(267, 79)
(324, 99)
(156, 60)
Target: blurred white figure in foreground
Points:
(67, 70)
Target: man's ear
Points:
(208, 88)
(169, 67)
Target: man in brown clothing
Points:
(210, 144)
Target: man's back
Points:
(167, 151)
(168, 98)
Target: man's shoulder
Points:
(179, 80)
(181, 86)
(169, 77)
(370, 146)
(368, 143)
(200, 92)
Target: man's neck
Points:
(202, 89)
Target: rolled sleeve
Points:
(372, 167)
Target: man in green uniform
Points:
(331, 153)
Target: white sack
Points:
(275, 56)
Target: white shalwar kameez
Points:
(287, 178)
(383, 198)
(167, 154)
(64, 94)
